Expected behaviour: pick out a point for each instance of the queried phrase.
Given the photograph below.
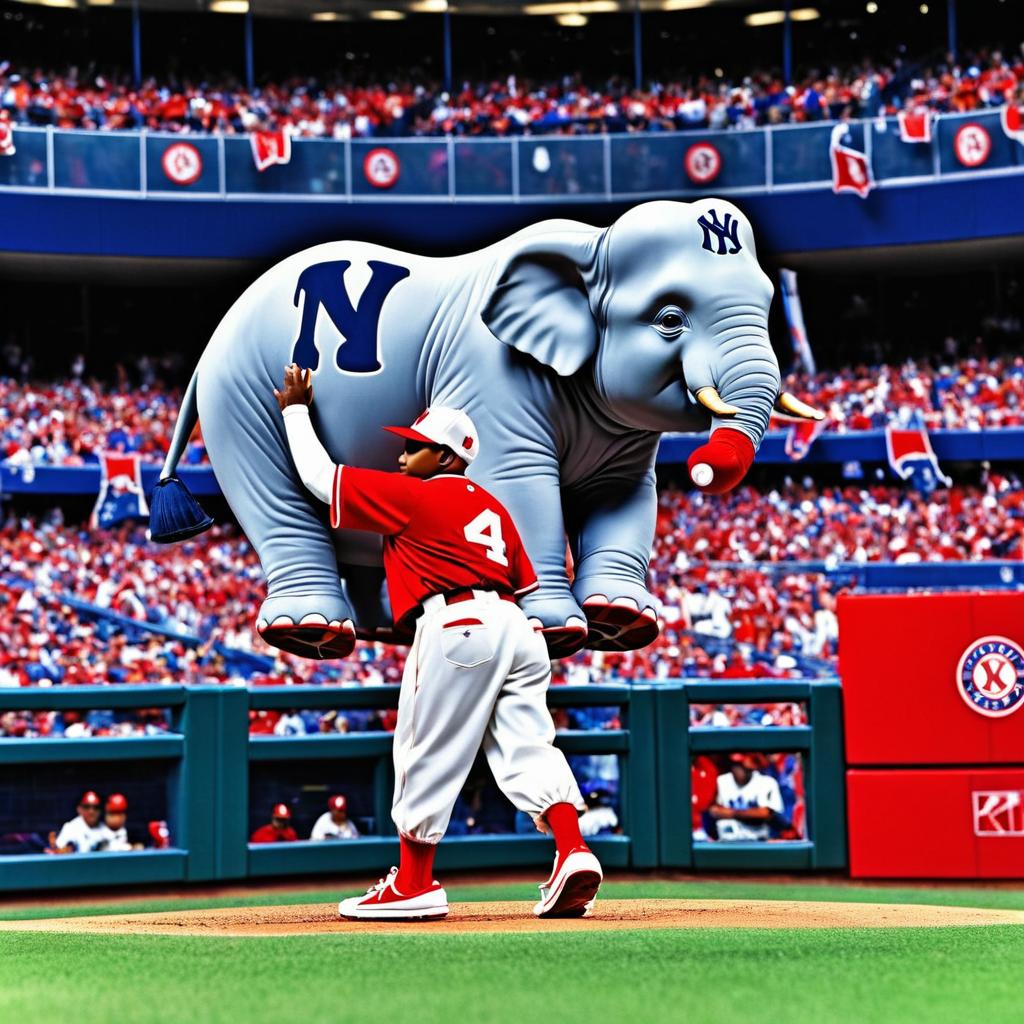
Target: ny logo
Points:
(725, 233)
(324, 285)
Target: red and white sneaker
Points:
(572, 888)
(383, 902)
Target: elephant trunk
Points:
(744, 374)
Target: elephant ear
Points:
(540, 304)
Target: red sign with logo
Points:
(703, 163)
(182, 163)
(381, 167)
(936, 823)
(972, 144)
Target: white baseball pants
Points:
(477, 674)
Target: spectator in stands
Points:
(748, 803)
(83, 833)
(115, 831)
(279, 830)
(335, 823)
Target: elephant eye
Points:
(671, 322)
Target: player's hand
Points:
(718, 811)
(297, 388)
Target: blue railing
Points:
(528, 169)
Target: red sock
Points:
(415, 868)
(564, 822)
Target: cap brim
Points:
(411, 435)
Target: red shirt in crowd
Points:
(270, 834)
(441, 534)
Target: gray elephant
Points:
(572, 348)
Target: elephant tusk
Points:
(712, 400)
(791, 404)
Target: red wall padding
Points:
(936, 823)
(898, 656)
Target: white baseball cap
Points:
(449, 427)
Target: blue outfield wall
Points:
(864, 446)
(209, 755)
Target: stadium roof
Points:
(395, 10)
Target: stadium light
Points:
(923, 8)
(872, 8)
(229, 6)
(571, 20)
(763, 18)
(584, 7)
(387, 15)
(685, 5)
(100, 3)
(330, 16)
(429, 7)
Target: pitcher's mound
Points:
(320, 919)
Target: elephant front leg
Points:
(614, 528)
(535, 503)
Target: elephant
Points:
(572, 348)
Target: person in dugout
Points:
(279, 830)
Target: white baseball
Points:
(702, 474)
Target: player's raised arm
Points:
(314, 465)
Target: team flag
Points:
(851, 171)
(121, 496)
(270, 148)
(915, 127)
(1012, 119)
(801, 435)
(911, 456)
(6, 139)
(794, 311)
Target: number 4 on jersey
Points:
(485, 529)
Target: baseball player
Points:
(84, 833)
(477, 673)
(334, 823)
(115, 817)
(747, 801)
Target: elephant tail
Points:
(174, 513)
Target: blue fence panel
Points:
(176, 164)
(483, 167)
(657, 163)
(97, 160)
(316, 167)
(891, 157)
(801, 155)
(401, 167)
(561, 167)
(966, 135)
(26, 167)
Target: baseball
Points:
(702, 474)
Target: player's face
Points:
(422, 460)
(90, 813)
(116, 819)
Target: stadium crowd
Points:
(81, 606)
(81, 98)
(68, 423)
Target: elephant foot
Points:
(562, 641)
(314, 637)
(619, 624)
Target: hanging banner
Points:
(915, 127)
(121, 495)
(6, 139)
(270, 148)
(851, 171)
(1011, 117)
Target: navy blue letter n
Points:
(324, 285)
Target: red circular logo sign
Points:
(381, 168)
(972, 145)
(182, 163)
(702, 162)
(990, 676)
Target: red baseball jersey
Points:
(441, 534)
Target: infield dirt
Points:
(609, 915)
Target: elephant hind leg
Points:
(305, 611)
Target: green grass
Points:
(950, 975)
(997, 899)
(824, 976)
